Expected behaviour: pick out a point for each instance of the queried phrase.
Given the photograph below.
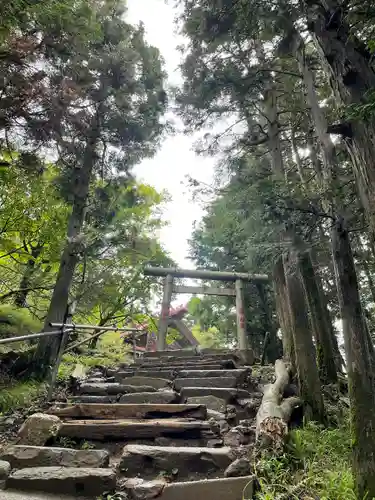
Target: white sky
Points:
(176, 158)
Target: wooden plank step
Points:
(131, 429)
(113, 411)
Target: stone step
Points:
(112, 411)
(153, 459)
(93, 399)
(132, 429)
(27, 495)
(178, 361)
(241, 374)
(76, 481)
(233, 488)
(228, 395)
(20, 457)
(187, 353)
(160, 397)
(218, 382)
(156, 383)
(113, 389)
(186, 366)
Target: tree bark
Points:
(24, 288)
(307, 370)
(48, 346)
(359, 366)
(318, 317)
(348, 65)
(274, 413)
(282, 309)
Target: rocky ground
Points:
(168, 426)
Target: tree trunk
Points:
(297, 157)
(283, 314)
(48, 346)
(274, 413)
(24, 288)
(348, 65)
(272, 348)
(307, 370)
(318, 317)
(359, 366)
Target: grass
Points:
(109, 352)
(20, 395)
(317, 459)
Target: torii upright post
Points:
(165, 307)
(241, 319)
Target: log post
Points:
(241, 319)
(165, 307)
(274, 412)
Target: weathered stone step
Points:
(131, 429)
(227, 382)
(233, 488)
(185, 366)
(20, 457)
(27, 495)
(112, 411)
(179, 361)
(241, 374)
(113, 389)
(153, 459)
(93, 399)
(74, 481)
(156, 383)
(160, 397)
(222, 393)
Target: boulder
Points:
(139, 489)
(21, 457)
(238, 468)
(211, 403)
(83, 481)
(38, 428)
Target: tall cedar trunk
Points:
(24, 288)
(297, 157)
(48, 346)
(363, 260)
(359, 368)
(327, 148)
(307, 370)
(273, 349)
(318, 317)
(348, 64)
(283, 313)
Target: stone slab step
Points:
(146, 411)
(132, 429)
(186, 353)
(236, 488)
(122, 376)
(186, 366)
(222, 393)
(90, 482)
(20, 457)
(156, 383)
(221, 382)
(26, 495)
(153, 459)
(113, 389)
(178, 361)
(93, 399)
(160, 397)
(240, 374)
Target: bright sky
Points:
(176, 158)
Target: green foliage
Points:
(110, 351)
(316, 464)
(15, 321)
(17, 396)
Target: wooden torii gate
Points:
(170, 288)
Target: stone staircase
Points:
(170, 426)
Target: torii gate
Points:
(169, 288)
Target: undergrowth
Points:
(20, 395)
(316, 464)
(109, 351)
